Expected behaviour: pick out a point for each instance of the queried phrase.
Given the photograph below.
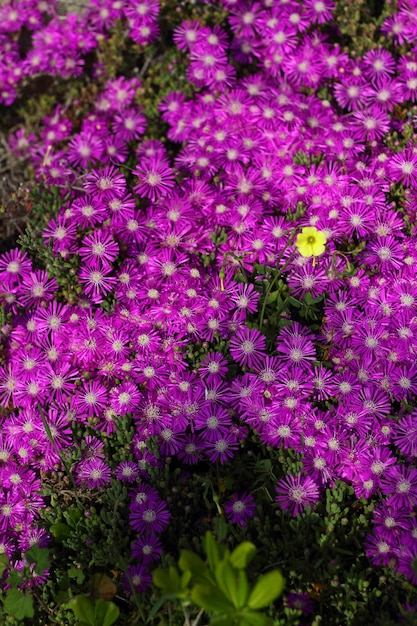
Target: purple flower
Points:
(105, 183)
(93, 473)
(300, 601)
(37, 288)
(155, 178)
(222, 448)
(14, 265)
(378, 63)
(129, 124)
(214, 366)
(127, 471)
(405, 435)
(99, 249)
(380, 549)
(240, 508)
(190, 450)
(138, 576)
(319, 11)
(247, 347)
(150, 517)
(97, 282)
(400, 484)
(147, 548)
(212, 422)
(12, 510)
(295, 493)
(84, 149)
(124, 398)
(91, 398)
(297, 348)
(89, 211)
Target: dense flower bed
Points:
(302, 348)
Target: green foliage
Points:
(359, 21)
(18, 600)
(220, 586)
(98, 613)
(19, 603)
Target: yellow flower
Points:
(311, 242)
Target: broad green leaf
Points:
(190, 561)
(266, 590)
(221, 621)
(14, 578)
(211, 599)
(168, 581)
(83, 609)
(60, 531)
(4, 563)
(39, 556)
(185, 579)
(242, 588)
(226, 580)
(106, 613)
(250, 618)
(212, 550)
(19, 604)
(160, 578)
(271, 297)
(73, 516)
(174, 577)
(243, 555)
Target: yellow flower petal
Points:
(311, 242)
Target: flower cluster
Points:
(269, 177)
(57, 44)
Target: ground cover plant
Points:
(208, 322)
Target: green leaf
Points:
(250, 618)
(160, 578)
(271, 297)
(221, 529)
(39, 556)
(211, 599)
(266, 590)
(226, 581)
(190, 561)
(242, 588)
(15, 578)
(243, 555)
(212, 550)
(4, 563)
(168, 581)
(83, 609)
(220, 621)
(60, 531)
(19, 604)
(106, 613)
(185, 579)
(73, 516)
(76, 573)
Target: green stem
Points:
(272, 283)
(197, 619)
(53, 444)
(134, 592)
